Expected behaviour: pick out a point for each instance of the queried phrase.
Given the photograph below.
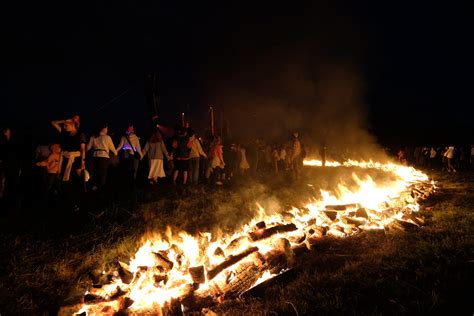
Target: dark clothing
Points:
(9, 170)
(182, 146)
(73, 143)
(181, 165)
(99, 171)
(194, 170)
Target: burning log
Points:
(164, 262)
(197, 274)
(124, 273)
(361, 212)
(315, 233)
(354, 221)
(245, 277)
(195, 303)
(236, 244)
(172, 308)
(231, 260)
(331, 215)
(336, 231)
(158, 278)
(265, 233)
(259, 290)
(281, 257)
(219, 252)
(297, 239)
(400, 225)
(341, 207)
(412, 218)
(300, 249)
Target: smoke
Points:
(304, 76)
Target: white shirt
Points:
(101, 145)
(450, 152)
(134, 141)
(196, 148)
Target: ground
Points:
(426, 270)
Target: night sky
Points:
(414, 61)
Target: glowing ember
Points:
(178, 266)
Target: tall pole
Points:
(222, 123)
(182, 119)
(212, 120)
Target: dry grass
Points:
(429, 270)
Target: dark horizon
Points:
(402, 73)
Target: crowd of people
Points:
(448, 158)
(74, 165)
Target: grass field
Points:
(427, 270)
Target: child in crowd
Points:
(52, 164)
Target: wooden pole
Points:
(212, 120)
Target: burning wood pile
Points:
(178, 273)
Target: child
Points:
(52, 165)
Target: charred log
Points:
(265, 233)
(361, 212)
(236, 243)
(197, 274)
(342, 207)
(219, 252)
(231, 260)
(245, 277)
(163, 261)
(259, 290)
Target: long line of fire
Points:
(176, 272)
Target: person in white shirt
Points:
(100, 144)
(296, 159)
(194, 158)
(433, 154)
(131, 152)
(450, 157)
(156, 150)
(243, 163)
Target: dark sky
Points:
(413, 61)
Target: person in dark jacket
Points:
(182, 147)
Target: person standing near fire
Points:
(296, 158)
(130, 153)
(216, 161)
(194, 157)
(182, 147)
(52, 164)
(73, 145)
(156, 150)
(101, 144)
(450, 158)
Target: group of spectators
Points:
(74, 165)
(449, 158)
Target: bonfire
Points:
(175, 272)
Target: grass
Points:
(429, 270)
